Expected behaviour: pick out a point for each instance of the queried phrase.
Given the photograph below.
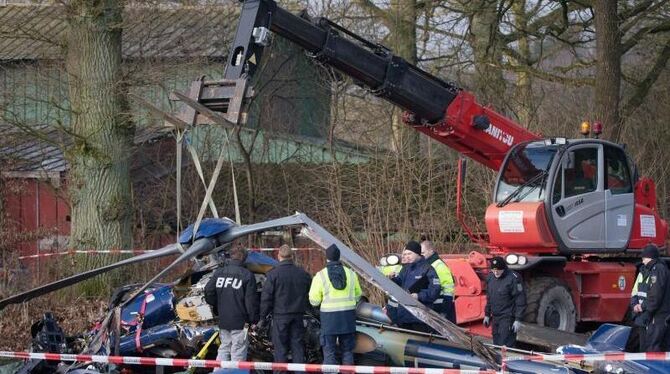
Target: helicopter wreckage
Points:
(173, 320)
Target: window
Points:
(525, 170)
(581, 171)
(618, 179)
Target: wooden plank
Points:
(188, 113)
(29, 214)
(175, 121)
(235, 103)
(212, 115)
(48, 209)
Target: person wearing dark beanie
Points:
(418, 278)
(651, 301)
(413, 247)
(333, 253)
(335, 289)
(650, 251)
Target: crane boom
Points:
(434, 107)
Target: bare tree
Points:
(99, 183)
(400, 19)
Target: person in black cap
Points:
(337, 291)
(418, 278)
(505, 303)
(231, 291)
(651, 312)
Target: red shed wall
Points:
(37, 210)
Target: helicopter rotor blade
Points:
(205, 245)
(69, 281)
(199, 247)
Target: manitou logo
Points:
(502, 136)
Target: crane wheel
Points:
(549, 304)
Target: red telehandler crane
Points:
(569, 214)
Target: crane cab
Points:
(571, 196)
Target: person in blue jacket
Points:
(418, 278)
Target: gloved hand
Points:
(487, 321)
(516, 326)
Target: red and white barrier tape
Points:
(113, 251)
(132, 251)
(276, 249)
(244, 365)
(650, 356)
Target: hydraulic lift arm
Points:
(437, 108)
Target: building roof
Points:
(39, 153)
(32, 32)
(39, 150)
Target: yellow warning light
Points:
(585, 128)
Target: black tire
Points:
(550, 304)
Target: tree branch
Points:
(645, 85)
(554, 17)
(635, 38)
(639, 8)
(576, 82)
(647, 6)
(375, 10)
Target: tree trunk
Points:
(484, 40)
(401, 21)
(100, 186)
(523, 95)
(608, 66)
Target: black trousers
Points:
(288, 335)
(330, 344)
(444, 305)
(642, 336)
(502, 331)
(657, 335)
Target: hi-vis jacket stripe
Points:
(331, 299)
(446, 279)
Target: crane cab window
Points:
(580, 172)
(617, 179)
(524, 172)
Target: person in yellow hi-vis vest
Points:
(337, 291)
(638, 297)
(444, 304)
(390, 265)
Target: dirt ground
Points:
(74, 316)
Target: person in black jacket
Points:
(639, 296)
(285, 296)
(505, 302)
(419, 279)
(657, 304)
(232, 292)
